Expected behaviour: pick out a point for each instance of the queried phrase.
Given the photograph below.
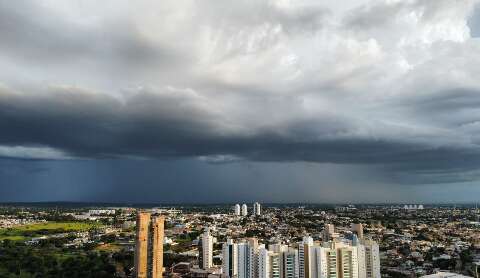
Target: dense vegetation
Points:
(20, 260)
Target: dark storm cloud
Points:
(272, 81)
(174, 124)
(89, 124)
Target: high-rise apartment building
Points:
(333, 260)
(329, 233)
(257, 209)
(336, 259)
(206, 250)
(244, 210)
(269, 264)
(236, 209)
(240, 259)
(263, 262)
(230, 259)
(253, 257)
(357, 228)
(372, 259)
(347, 262)
(362, 271)
(149, 246)
(304, 250)
(243, 265)
(290, 264)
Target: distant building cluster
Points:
(243, 209)
(413, 207)
(93, 212)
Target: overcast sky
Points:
(224, 101)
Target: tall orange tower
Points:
(157, 246)
(149, 246)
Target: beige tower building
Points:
(149, 246)
(358, 229)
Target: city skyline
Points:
(277, 101)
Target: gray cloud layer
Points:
(386, 83)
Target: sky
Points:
(239, 101)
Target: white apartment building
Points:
(253, 252)
(236, 209)
(230, 259)
(336, 259)
(333, 260)
(244, 210)
(207, 250)
(240, 259)
(304, 249)
(372, 259)
(269, 264)
(257, 209)
(243, 260)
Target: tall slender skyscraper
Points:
(206, 250)
(244, 210)
(372, 259)
(149, 246)
(243, 254)
(236, 209)
(304, 254)
(141, 245)
(253, 255)
(230, 259)
(257, 210)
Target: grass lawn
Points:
(2, 237)
(35, 230)
(66, 226)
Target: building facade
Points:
(257, 209)
(333, 259)
(206, 252)
(304, 254)
(244, 210)
(230, 259)
(236, 209)
(149, 246)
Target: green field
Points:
(2, 237)
(40, 229)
